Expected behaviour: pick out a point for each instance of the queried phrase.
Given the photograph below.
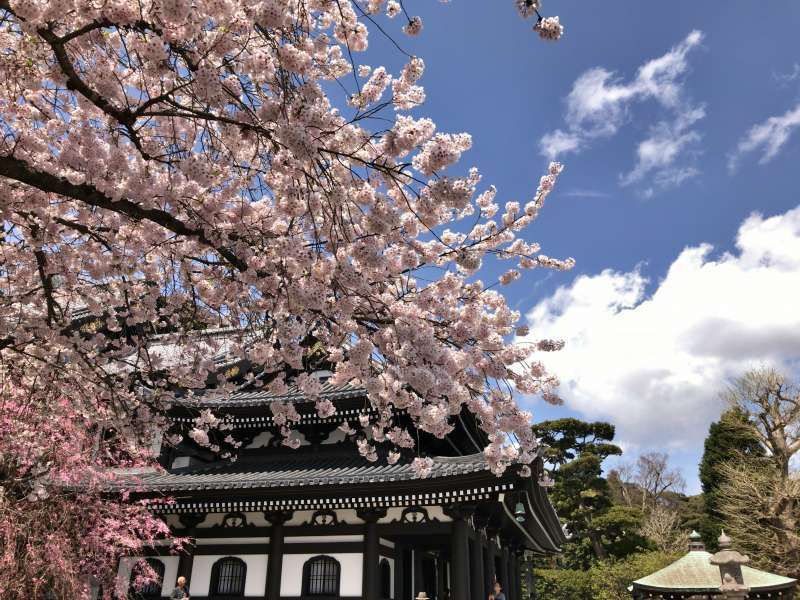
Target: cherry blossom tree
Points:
(170, 166)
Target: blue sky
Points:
(664, 305)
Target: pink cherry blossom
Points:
(183, 194)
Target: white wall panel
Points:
(242, 540)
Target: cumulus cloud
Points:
(653, 358)
(600, 103)
(768, 137)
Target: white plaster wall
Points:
(351, 572)
(127, 563)
(344, 515)
(243, 540)
(215, 519)
(255, 579)
(434, 512)
(300, 517)
(336, 436)
(261, 440)
(173, 520)
(322, 539)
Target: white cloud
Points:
(769, 137)
(654, 362)
(600, 104)
(658, 153)
(788, 77)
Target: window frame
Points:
(306, 582)
(159, 567)
(213, 588)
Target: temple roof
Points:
(694, 573)
(262, 397)
(300, 471)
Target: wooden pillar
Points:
(370, 517)
(399, 569)
(476, 569)
(489, 555)
(186, 559)
(515, 579)
(275, 560)
(185, 564)
(459, 550)
(459, 584)
(504, 570)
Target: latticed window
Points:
(152, 589)
(385, 572)
(321, 576)
(227, 577)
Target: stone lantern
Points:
(730, 569)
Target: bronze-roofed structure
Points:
(700, 575)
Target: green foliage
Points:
(730, 437)
(618, 529)
(606, 580)
(562, 584)
(567, 439)
(575, 451)
(610, 579)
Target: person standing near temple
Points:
(180, 592)
(498, 591)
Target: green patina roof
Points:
(694, 572)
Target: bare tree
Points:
(655, 478)
(621, 478)
(761, 511)
(773, 407)
(662, 527)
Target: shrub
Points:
(562, 584)
(609, 580)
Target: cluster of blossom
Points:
(528, 8)
(55, 544)
(405, 93)
(549, 29)
(373, 89)
(440, 152)
(170, 167)
(414, 26)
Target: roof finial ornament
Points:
(696, 542)
(730, 569)
(724, 541)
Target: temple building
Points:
(322, 522)
(700, 575)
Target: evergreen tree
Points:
(733, 435)
(575, 451)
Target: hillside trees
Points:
(168, 166)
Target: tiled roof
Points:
(298, 471)
(694, 572)
(260, 397)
